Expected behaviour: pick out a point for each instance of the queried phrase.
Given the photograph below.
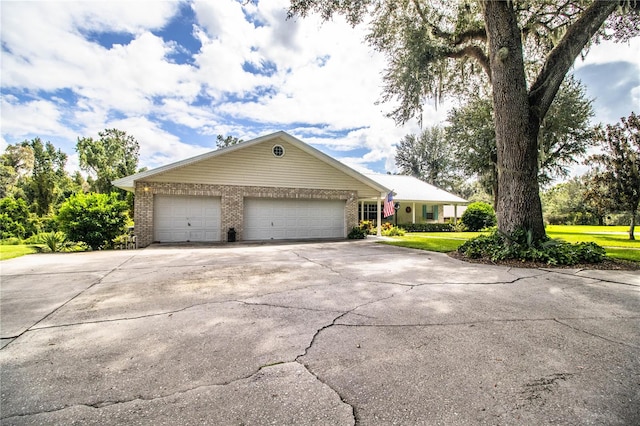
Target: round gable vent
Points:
(278, 151)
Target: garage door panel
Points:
(293, 219)
(185, 218)
(168, 235)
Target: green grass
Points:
(593, 229)
(442, 242)
(11, 251)
(606, 236)
(623, 254)
(614, 239)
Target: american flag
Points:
(388, 209)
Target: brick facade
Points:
(232, 203)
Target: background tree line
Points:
(461, 158)
(37, 194)
(40, 201)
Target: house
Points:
(274, 187)
(418, 201)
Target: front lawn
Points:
(623, 254)
(614, 239)
(11, 251)
(442, 242)
(606, 236)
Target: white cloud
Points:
(20, 119)
(635, 97)
(323, 79)
(182, 112)
(157, 146)
(609, 51)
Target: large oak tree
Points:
(564, 136)
(524, 48)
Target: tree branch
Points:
(474, 52)
(434, 29)
(564, 55)
(478, 34)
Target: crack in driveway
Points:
(97, 405)
(62, 305)
(313, 340)
(607, 339)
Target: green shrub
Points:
(427, 227)
(11, 241)
(368, 227)
(56, 242)
(46, 224)
(357, 233)
(590, 252)
(478, 216)
(519, 246)
(34, 239)
(388, 230)
(95, 219)
(15, 220)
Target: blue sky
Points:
(176, 74)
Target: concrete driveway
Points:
(320, 333)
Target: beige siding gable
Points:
(256, 165)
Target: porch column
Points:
(455, 214)
(379, 216)
(413, 213)
(361, 211)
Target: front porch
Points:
(409, 212)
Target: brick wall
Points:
(232, 203)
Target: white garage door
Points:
(283, 219)
(186, 219)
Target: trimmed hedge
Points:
(427, 227)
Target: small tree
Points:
(95, 219)
(620, 162)
(478, 216)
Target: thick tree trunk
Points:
(495, 193)
(519, 205)
(632, 226)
